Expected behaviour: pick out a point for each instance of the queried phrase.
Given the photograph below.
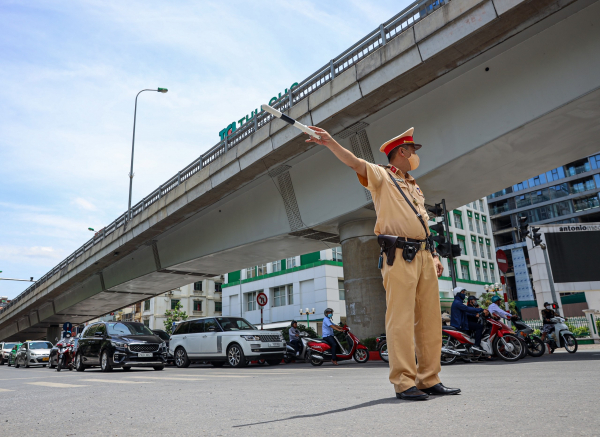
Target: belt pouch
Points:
(387, 243)
(409, 252)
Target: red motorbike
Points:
(319, 351)
(498, 339)
(65, 356)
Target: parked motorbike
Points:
(319, 351)
(290, 353)
(381, 345)
(534, 344)
(561, 337)
(498, 339)
(65, 356)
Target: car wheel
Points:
(235, 356)
(217, 363)
(181, 358)
(159, 367)
(1, 361)
(105, 362)
(79, 363)
(126, 368)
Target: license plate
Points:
(145, 355)
(274, 345)
(45, 359)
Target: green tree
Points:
(175, 315)
(485, 300)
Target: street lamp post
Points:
(307, 313)
(160, 90)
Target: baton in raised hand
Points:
(290, 120)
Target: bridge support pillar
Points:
(53, 333)
(365, 295)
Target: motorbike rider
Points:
(460, 320)
(294, 334)
(328, 328)
(547, 314)
(495, 310)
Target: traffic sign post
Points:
(261, 300)
(502, 262)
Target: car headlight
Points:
(119, 344)
(250, 337)
(33, 354)
(163, 345)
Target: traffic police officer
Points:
(413, 317)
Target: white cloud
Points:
(37, 254)
(85, 204)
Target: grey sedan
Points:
(33, 353)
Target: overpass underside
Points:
(497, 94)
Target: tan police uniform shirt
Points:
(394, 215)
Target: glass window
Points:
(197, 305)
(492, 274)
(485, 275)
(181, 328)
(290, 262)
(146, 305)
(477, 225)
(290, 294)
(478, 273)
(235, 323)
(174, 303)
(463, 246)
(520, 186)
(481, 252)
(464, 270)
(261, 270)
(276, 265)
(198, 286)
(101, 329)
(218, 287)
(337, 254)
(211, 323)
(250, 272)
(251, 301)
(196, 326)
(40, 345)
(341, 289)
(595, 161)
(470, 219)
(278, 296)
(218, 307)
(585, 203)
(458, 221)
(474, 248)
(523, 200)
(481, 208)
(147, 323)
(489, 252)
(120, 328)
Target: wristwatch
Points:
(435, 254)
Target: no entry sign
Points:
(261, 299)
(501, 260)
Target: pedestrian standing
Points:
(413, 316)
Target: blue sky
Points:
(69, 73)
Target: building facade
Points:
(567, 194)
(316, 280)
(200, 299)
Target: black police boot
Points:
(440, 390)
(412, 394)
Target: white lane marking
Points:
(4, 389)
(54, 384)
(117, 381)
(168, 378)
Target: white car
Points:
(5, 349)
(221, 340)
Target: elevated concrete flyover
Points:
(498, 91)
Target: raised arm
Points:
(344, 155)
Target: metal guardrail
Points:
(373, 41)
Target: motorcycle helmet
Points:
(327, 310)
(546, 304)
(472, 300)
(496, 299)
(292, 324)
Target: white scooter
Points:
(561, 337)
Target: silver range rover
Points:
(221, 340)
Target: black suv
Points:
(120, 344)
